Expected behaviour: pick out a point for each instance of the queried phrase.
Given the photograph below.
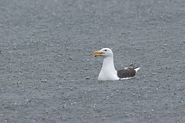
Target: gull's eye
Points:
(105, 50)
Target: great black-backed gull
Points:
(108, 71)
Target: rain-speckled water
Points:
(47, 74)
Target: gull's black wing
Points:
(125, 73)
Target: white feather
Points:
(137, 69)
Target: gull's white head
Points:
(108, 71)
(105, 52)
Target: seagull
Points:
(108, 71)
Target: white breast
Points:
(108, 71)
(104, 75)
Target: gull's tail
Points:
(136, 69)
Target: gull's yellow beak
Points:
(98, 53)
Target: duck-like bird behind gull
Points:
(108, 71)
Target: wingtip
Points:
(136, 69)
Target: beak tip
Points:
(97, 53)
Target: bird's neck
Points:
(108, 71)
(108, 64)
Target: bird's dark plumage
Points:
(129, 72)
